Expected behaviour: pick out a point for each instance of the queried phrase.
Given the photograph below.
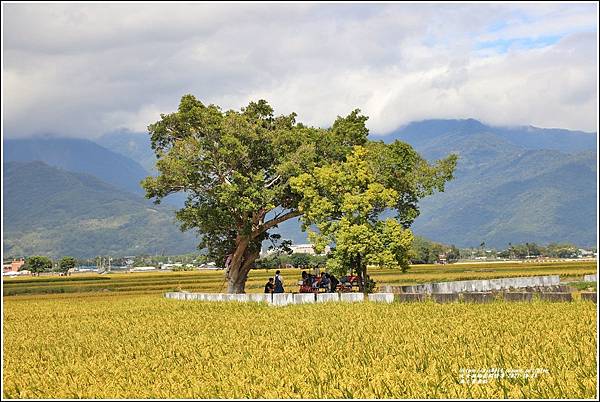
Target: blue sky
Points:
(504, 45)
(86, 69)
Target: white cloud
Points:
(83, 70)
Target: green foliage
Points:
(346, 199)
(183, 268)
(585, 286)
(300, 260)
(297, 260)
(565, 250)
(528, 250)
(66, 263)
(236, 167)
(37, 264)
(425, 251)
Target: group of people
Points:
(325, 281)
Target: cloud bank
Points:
(86, 69)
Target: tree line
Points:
(39, 263)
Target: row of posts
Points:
(284, 299)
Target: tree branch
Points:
(277, 220)
(272, 182)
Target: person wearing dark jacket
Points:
(333, 283)
(324, 282)
(278, 282)
(269, 286)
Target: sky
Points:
(82, 70)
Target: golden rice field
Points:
(145, 346)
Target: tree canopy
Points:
(346, 202)
(38, 263)
(66, 263)
(235, 167)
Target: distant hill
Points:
(55, 212)
(78, 155)
(511, 184)
(137, 146)
(131, 144)
(421, 133)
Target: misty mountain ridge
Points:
(55, 212)
(506, 187)
(78, 155)
(512, 184)
(526, 137)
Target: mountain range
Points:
(512, 184)
(78, 155)
(55, 212)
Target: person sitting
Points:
(334, 282)
(306, 279)
(270, 286)
(316, 280)
(324, 282)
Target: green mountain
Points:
(131, 144)
(508, 187)
(78, 155)
(55, 212)
(513, 184)
(137, 146)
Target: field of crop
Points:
(212, 281)
(145, 346)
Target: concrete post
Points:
(381, 297)
(282, 299)
(480, 297)
(589, 296)
(327, 297)
(352, 297)
(411, 297)
(556, 297)
(260, 297)
(518, 296)
(303, 298)
(444, 297)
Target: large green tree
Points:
(345, 202)
(235, 167)
(66, 263)
(37, 264)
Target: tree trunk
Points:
(238, 270)
(247, 250)
(363, 271)
(236, 284)
(366, 284)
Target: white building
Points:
(302, 249)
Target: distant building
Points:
(303, 249)
(142, 269)
(586, 253)
(209, 265)
(13, 266)
(170, 266)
